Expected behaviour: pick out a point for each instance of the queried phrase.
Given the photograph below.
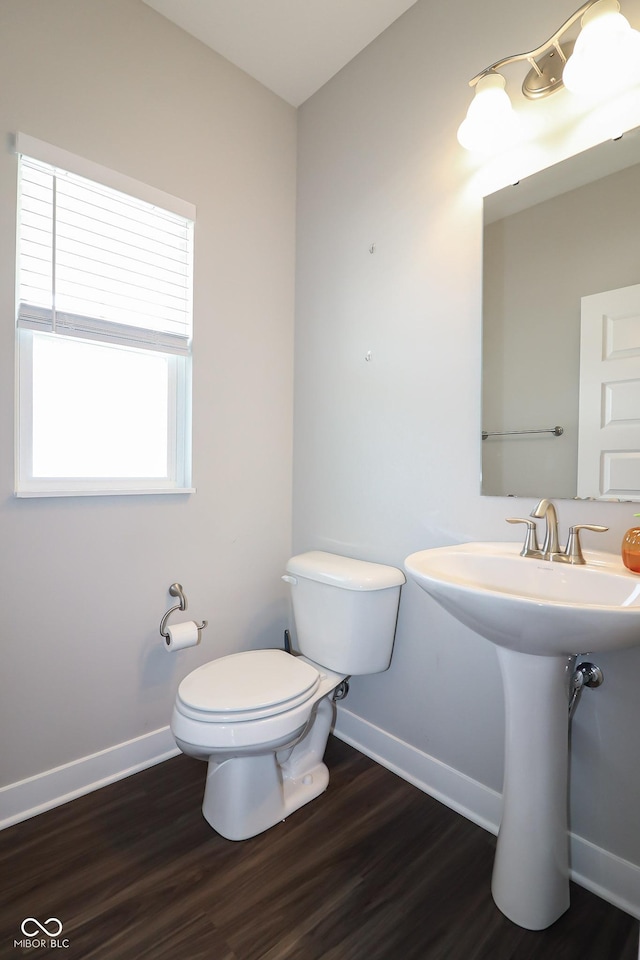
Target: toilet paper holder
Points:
(175, 590)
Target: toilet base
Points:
(245, 796)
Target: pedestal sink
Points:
(540, 615)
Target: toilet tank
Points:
(345, 611)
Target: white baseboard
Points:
(605, 874)
(25, 799)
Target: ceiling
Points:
(291, 46)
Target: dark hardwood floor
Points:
(372, 870)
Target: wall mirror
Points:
(561, 278)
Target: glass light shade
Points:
(606, 56)
(491, 122)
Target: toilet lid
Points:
(246, 686)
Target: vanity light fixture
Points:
(604, 59)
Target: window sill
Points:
(23, 494)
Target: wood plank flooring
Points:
(372, 870)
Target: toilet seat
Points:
(246, 686)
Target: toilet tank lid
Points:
(344, 572)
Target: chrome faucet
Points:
(550, 549)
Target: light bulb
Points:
(606, 56)
(491, 122)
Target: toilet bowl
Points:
(261, 718)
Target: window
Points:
(104, 330)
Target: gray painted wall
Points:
(84, 581)
(387, 451)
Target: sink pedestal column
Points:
(531, 872)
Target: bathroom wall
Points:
(84, 580)
(387, 412)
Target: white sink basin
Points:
(533, 606)
(540, 615)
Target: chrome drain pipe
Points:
(586, 674)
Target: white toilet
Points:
(262, 718)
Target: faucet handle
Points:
(573, 550)
(530, 548)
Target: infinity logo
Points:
(32, 931)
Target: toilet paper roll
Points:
(182, 635)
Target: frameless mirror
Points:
(561, 266)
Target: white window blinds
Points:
(101, 264)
